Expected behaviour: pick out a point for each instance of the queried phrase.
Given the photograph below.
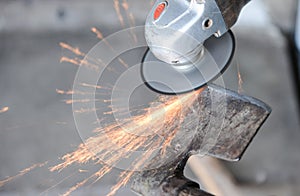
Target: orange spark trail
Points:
(82, 110)
(80, 62)
(58, 183)
(118, 10)
(125, 175)
(130, 18)
(240, 80)
(123, 62)
(72, 49)
(92, 86)
(71, 92)
(116, 141)
(5, 109)
(87, 61)
(69, 60)
(100, 36)
(170, 108)
(61, 92)
(71, 101)
(97, 32)
(22, 173)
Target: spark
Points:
(80, 62)
(58, 183)
(71, 101)
(98, 33)
(3, 110)
(69, 60)
(98, 87)
(82, 171)
(75, 50)
(71, 92)
(100, 36)
(132, 24)
(240, 79)
(61, 92)
(123, 62)
(84, 110)
(78, 185)
(130, 18)
(118, 11)
(116, 141)
(22, 173)
(94, 86)
(126, 176)
(87, 62)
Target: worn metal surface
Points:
(231, 10)
(221, 123)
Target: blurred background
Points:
(36, 125)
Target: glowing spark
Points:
(72, 49)
(64, 92)
(80, 62)
(58, 183)
(123, 62)
(71, 101)
(125, 5)
(82, 171)
(22, 173)
(89, 65)
(118, 10)
(112, 143)
(82, 110)
(88, 62)
(125, 176)
(119, 140)
(99, 174)
(100, 36)
(132, 24)
(95, 86)
(78, 185)
(69, 60)
(130, 18)
(97, 32)
(5, 109)
(240, 79)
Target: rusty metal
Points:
(226, 124)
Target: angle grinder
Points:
(190, 43)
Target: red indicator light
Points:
(159, 10)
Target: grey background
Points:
(39, 126)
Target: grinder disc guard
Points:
(169, 79)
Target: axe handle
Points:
(230, 10)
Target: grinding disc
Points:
(169, 79)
